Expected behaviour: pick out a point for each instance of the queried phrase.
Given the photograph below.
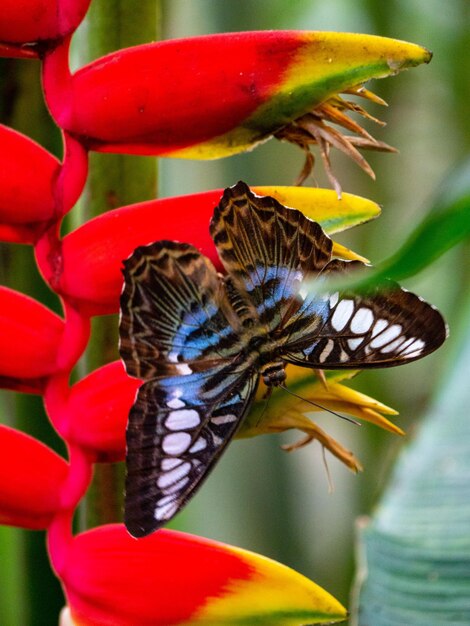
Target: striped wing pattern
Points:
(267, 249)
(173, 311)
(385, 327)
(178, 428)
(176, 335)
(200, 341)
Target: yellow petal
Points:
(323, 206)
(275, 595)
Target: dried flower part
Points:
(284, 411)
(314, 129)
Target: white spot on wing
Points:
(354, 343)
(362, 321)
(379, 326)
(334, 299)
(386, 336)
(168, 464)
(183, 369)
(176, 443)
(415, 346)
(342, 314)
(173, 357)
(166, 511)
(174, 487)
(165, 500)
(407, 344)
(325, 353)
(223, 419)
(199, 445)
(412, 355)
(168, 478)
(175, 403)
(182, 419)
(394, 345)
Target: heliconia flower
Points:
(243, 88)
(26, 210)
(31, 477)
(29, 27)
(30, 335)
(285, 411)
(174, 578)
(92, 255)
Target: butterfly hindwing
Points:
(180, 334)
(386, 327)
(178, 428)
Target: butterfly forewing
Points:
(266, 249)
(173, 311)
(389, 327)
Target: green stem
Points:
(114, 181)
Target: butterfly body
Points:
(201, 341)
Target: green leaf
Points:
(446, 225)
(414, 564)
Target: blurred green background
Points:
(261, 498)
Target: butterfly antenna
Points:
(265, 406)
(319, 406)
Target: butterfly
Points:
(201, 341)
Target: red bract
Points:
(110, 578)
(92, 255)
(233, 90)
(28, 27)
(23, 501)
(26, 210)
(34, 202)
(30, 336)
(98, 407)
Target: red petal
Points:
(98, 408)
(31, 477)
(30, 22)
(34, 187)
(221, 80)
(30, 335)
(173, 578)
(156, 581)
(93, 254)
(27, 172)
